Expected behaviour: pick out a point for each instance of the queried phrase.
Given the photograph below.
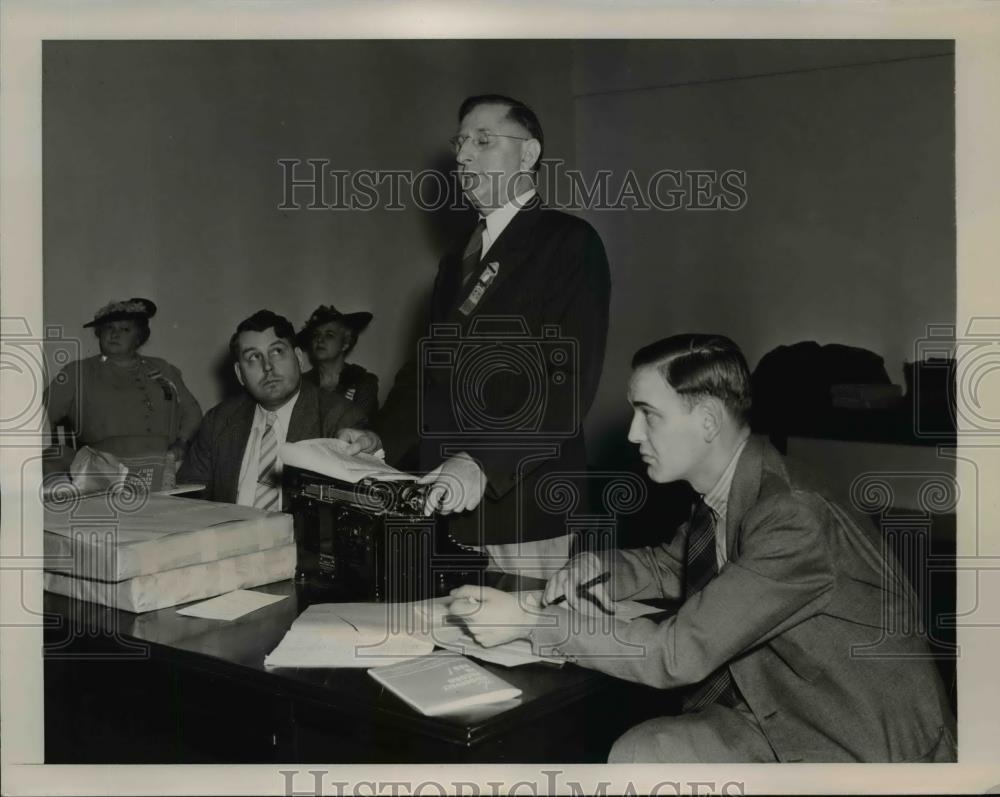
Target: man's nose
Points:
(634, 433)
(465, 152)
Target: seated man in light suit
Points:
(782, 591)
(234, 453)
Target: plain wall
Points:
(162, 180)
(847, 235)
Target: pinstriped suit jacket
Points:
(215, 455)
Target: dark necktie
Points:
(473, 251)
(700, 568)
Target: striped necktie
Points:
(268, 491)
(700, 568)
(473, 251)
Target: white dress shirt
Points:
(718, 499)
(251, 456)
(498, 220)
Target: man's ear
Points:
(301, 358)
(530, 150)
(239, 374)
(712, 418)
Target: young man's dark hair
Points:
(517, 112)
(258, 322)
(697, 366)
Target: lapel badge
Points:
(490, 272)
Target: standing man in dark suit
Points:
(794, 640)
(234, 453)
(494, 397)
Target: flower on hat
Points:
(122, 307)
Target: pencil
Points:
(582, 591)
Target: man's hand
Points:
(491, 616)
(360, 441)
(578, 571)
(458, 485)
(178, 450)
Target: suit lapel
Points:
(509, 251)
(302, 424)
(232, 447)
(744, 491)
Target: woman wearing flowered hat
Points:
(120, 401)
(328, 338)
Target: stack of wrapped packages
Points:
(141, 551)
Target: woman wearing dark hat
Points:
(328, 338)
(118, 401)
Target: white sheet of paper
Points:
(453, 636)
(231, 605)
(626, 610)
(180, 489)
(351, 635)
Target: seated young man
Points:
(790, 639)
(235, 452)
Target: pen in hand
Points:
(583, 591)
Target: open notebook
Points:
(379, 634)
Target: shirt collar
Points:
(284, 413)
(718, 497)
(498, 220)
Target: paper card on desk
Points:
(350, 635)
(231, 605)
(328, 457)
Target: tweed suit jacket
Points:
(808, 613)
(215, 455)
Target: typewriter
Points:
(370, 541)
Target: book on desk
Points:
(443, 683)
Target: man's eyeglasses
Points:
(481, 139)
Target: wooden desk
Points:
(164, 688)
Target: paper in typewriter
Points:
(327, 456)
